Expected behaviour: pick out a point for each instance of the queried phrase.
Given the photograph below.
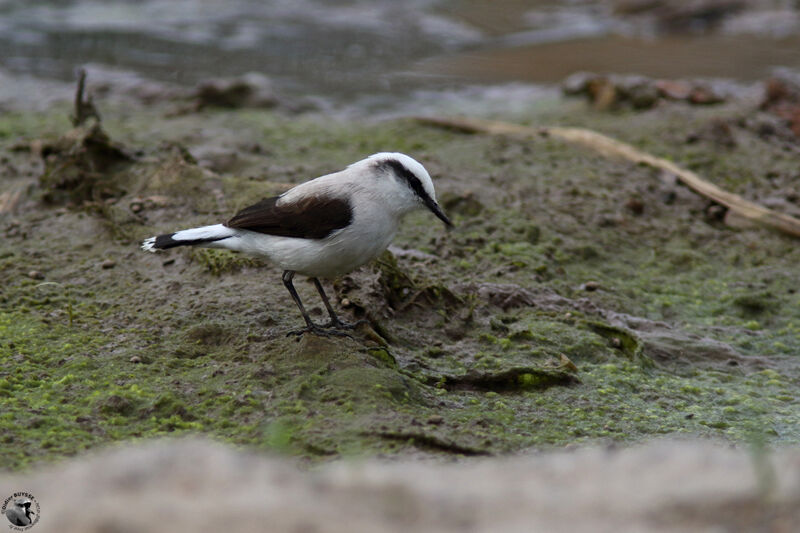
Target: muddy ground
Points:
(578, 301)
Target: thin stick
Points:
(610, 147)
(84, 107)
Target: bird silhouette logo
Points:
(22, 510)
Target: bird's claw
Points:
(339, 324)
(321, 331)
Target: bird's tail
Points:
(188, 237)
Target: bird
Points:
(323, 228)
(20, 513)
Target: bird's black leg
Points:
(335, 321)
(310, 325)
(287, 282)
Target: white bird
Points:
(325, 227)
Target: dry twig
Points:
(84, 107)
(610, 147)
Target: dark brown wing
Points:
(314, 217)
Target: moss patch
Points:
(687, 327)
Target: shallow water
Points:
(341, 50)
(742, 58)
(310, 45)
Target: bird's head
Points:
(412, 181)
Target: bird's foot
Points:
(321, 331)
(340, 324)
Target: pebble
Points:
(108, 263)
(435, 420)
(591, 286)
(577, 83)
(704, 96)
(35, 274)
(635, 206)
(716, 212)
(673, 89)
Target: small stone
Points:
(591, 286)
(642, 95)
(577, 83)
(108, 263)
(674, 90)
(704, 96)
(635, 206)
(435, 420)
(35, 274)
(603, 94)
(135, 359)
(716, 212)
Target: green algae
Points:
(218, 262)
(186, 343)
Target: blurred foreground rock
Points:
(198, 486)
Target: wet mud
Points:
(579, 300)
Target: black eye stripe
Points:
(407, 176)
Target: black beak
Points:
(436, 210)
